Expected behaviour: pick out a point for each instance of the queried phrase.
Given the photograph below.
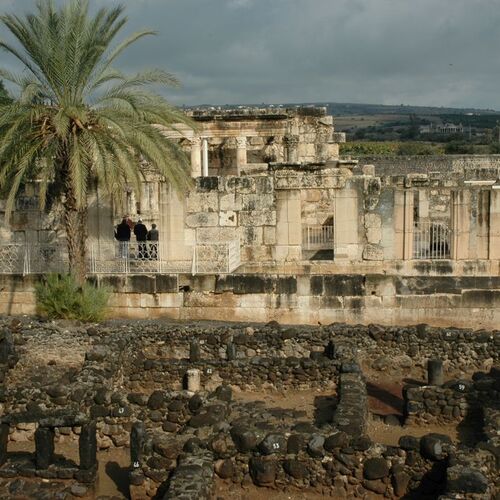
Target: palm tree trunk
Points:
(75, 223)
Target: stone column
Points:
(241, 153)
(435, 375)
(44, 447)
(193, 380)
(87, 446)
(494, 232)
(291, 144)
(204, 169)
(195, 157)
(403, 224)
(460, 224)
(194, 351)
(288, 226)
(231, 351)
(137, 440)
(4, 439)
(346, 227)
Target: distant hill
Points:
(348, 108)
(344, 109)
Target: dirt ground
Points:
(224, 490)
(317, 405)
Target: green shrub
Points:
(60, 296)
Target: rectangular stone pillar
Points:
(137, 440)
(44, 447)
(494, 232)
(346, 225)
(241, 153)
(4, 439)
(480, 224)
(403, 224)
(460, 223)
(195, 157)
(288, 226)
(87, 446)
(204, 169)
(172, 230)
(409, 223)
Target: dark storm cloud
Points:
(436, 52)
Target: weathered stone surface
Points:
(263, 471)
(44, 447)
(435, 446)
(87, 446)
(375, 468)
(296, 469)
(465, 480)
(273, 443)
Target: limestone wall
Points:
(466, 301)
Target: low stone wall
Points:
(454, 401)
(462, 301)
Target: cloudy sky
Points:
(421, 52)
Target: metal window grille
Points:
(431, 240)
(318, 237)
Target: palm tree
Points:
(75, 118)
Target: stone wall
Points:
(444, 164)
(454, 401)
(465, 301)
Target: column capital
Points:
(195, 141)
(291, 140)
(241, 142)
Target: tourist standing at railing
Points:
(122, 234)
(153, 237)
(141, 233)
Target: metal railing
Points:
(431, 240)
(120, 257)
(216, 257)
(22, 258)
(317, 237)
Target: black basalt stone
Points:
(44, 447)
(435, 446)
(137, 442)
(263, 472)
(409, 443)
(375, 468)
(273, 443)
(87, 446)
(296, 469)
(156, 400)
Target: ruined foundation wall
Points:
(468, 301)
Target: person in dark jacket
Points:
(153, 237)
(141, 233)
(122, 234)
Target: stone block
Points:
(373, 251)
(344, 285)
(252, 236)
(87, 446)
(202, 219)
(202, 202)
(204, 184)
(4, 439)
(257, 218)
(228, 218)
(141, 284)
(228, 202)
(44, 447)
(137, 441)
(166, 283)
(269, 235)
